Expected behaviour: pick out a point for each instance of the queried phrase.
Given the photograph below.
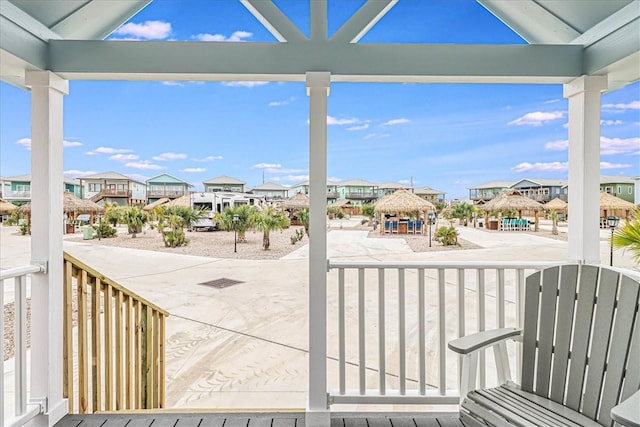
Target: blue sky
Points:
(447, 136)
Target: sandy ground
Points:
(220, 244)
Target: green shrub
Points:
(104, 229)
(299, 234)
(448, 236)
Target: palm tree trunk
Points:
(265, 240)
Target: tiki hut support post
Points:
(47, 92)
(536, 227)
(584, 95)
(318, 84)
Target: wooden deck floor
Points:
(258, 420)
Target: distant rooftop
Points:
(223, 179)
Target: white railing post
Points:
(318, 89)
(47, 92)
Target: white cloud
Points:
(549, 166)
(559, 166)
(26, 143)
(620, 107)
(281, 103)
(610, 122)
(74, 173)
(108, 150)
(342, 121)
(138, 177)
(248, 84)
(124, 157)
(537, 118)
(164, 157)
(172, 83)
(608, 146)
(559, 145)
(290, 178)
(266, 165)
(462, 182)
(359, 127)
(394, 122)
(193, 170)
(376, 135)
(148, 30)
(207, 159)
(236, 36)
(607, 165)
(144, 165)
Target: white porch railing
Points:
(389, 324)
(24, 410)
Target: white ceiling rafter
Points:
(318, 18)
(625, 16)
(362, 21)
(274, 20)
(531, 21)
(25, 21)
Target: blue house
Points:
(165, 185)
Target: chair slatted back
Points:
(581, 339)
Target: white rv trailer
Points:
(215, 202)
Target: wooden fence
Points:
(113, 344)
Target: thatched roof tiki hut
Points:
(557, 205)
(294, 204)
(612, 205)
(403, 202)
(513, 200)
(6, 207)
(72, 206)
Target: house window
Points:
(95, 188)
(121, 187)
(619, 190)
(608, 190)
(629, 190)
(23, 188)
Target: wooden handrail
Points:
(117, 350)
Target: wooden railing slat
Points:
(123, 367)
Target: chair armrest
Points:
(482, 340)
(627, 412)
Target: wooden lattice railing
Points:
(113, 344)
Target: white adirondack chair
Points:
(580, 358)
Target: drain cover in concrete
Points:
(221, 283)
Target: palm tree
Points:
(172, 221)
(554, 222)
(463, 211)
(135, 218)
(241, 225)
(628, 237)
(268, 220)
(303, 217)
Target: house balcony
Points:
(16, 195)
(170, 194)
(333, 195)
(355, 195)
(111, 193)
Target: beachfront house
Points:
(588, 49)
(484, 192)
(270, 191)
(113, 187)
(430, 194)
(18, 188)
(542, 190)
(224, 183)
(619, 186)
(390, 188)
(166, 186)
(303, 187)
(357, 191)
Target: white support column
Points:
(47, 92)
(318, 89)
(584, 167)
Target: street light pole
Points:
(612, 222)
(235, 231)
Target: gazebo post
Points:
(537, 223)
